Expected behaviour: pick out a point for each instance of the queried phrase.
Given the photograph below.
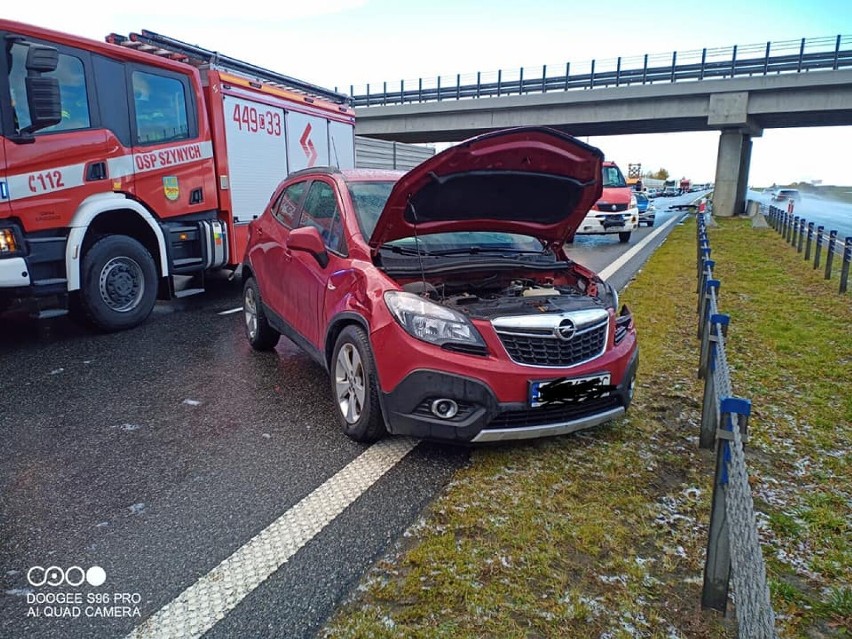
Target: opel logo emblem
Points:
(614, 207)
(565, 330)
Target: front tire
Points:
(261, 336)
(354, 386)
(118, 284)
(624, 238)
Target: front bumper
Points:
(601, 222)
(481, 418)
(14, 272)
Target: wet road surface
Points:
(157, 453)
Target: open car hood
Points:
(531, 180)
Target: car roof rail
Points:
(327, 170)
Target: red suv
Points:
(440, 300)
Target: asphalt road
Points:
(157, 453)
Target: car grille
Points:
(606, 207)
(548, 350)
(555, 414)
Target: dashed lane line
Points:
(206, 602)
(230, 311)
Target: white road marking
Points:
(611, 270)
(232, 310)
(206, 602)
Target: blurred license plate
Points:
(613, 220)
(536, 388)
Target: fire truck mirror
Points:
(41, 59)
(44, 103)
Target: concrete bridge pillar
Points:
(732, 164)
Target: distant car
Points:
(647, 215)
(652, 193)
(784, 195)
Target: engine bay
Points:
(497, 295)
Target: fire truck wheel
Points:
(118, 283)
(624, 238)
(261, 336)
(354, 386)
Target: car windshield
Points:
(612, 177)
(369, 199)
(641, 197)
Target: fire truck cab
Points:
(131, 167)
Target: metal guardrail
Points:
(733, 549)
(792, 228)
(788, 56)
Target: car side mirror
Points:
(307, 238)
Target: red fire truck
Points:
(130, 168)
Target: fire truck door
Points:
(51, 170)
(172, 152)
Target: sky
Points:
(338, 43)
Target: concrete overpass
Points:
(738, 107)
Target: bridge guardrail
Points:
(733, 549)
(789, 56)
(800, 233)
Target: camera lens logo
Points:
(55, 576)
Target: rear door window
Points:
(286, 209)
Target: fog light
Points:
(7, 241)
(445, 408)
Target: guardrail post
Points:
(704, 304)
(818, 246)
(810, 241)
(801, 234)
(709, 417)
(567, 74)
(717, 567)
(793, 230)
(592, 76)
(829, 254)
(706, 263)
(844, 269)
(544, 78)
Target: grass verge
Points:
(602, 534)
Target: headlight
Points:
(613, 297)
(432, 322)
(632, 201)
(8, 244)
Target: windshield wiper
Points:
(403, 250)
(476, 250)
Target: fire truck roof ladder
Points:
(165, 46)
